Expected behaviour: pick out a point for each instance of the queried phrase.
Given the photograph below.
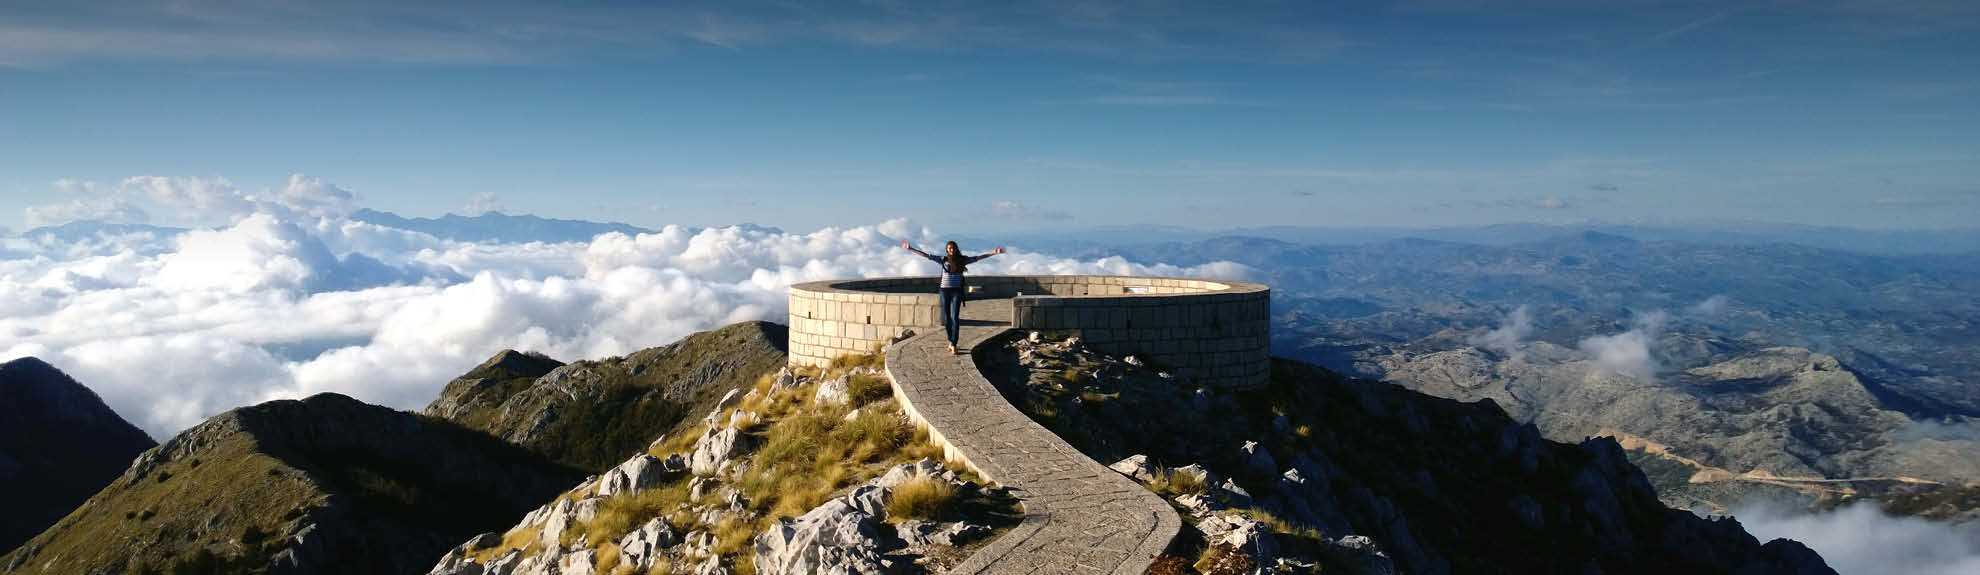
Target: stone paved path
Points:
(1080, 516)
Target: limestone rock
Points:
(639, 473)
(917, 533)
(713, 449)
(641, 547)
(784, 380)
(1358, 555)
(835, 538)
(834, 392)
(1136, 467)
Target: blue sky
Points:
(1009, 116)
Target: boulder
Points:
(833, 539)
(639, 473)
(583, 562)
(713, 449)
(1357, 555)
(728, 399)
(641, 547)
(924, 467)
(1136, 467)
(784, 380)
(1202, 475)
(834, 392)
(916, 533)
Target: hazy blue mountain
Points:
(81, 230)
(498, 227)
(1865, 241)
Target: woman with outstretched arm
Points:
(954, 263)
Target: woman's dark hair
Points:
(952, 257)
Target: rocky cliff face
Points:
(1770, 422)
(322, 485)
(1365, 477)
(591, 413)
(58, 444)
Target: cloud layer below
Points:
(1862, 539)
(291, 298)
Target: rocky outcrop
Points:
(1365, 477)
(849, 534)
(1778, 412)
(590, 414)
(326, 484)
(687, 512)
(59, 444)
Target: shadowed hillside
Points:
(326, 484)
(58, 444)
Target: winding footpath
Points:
(1079, 516)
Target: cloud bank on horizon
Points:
(290, 297)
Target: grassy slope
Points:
(805, 452)
(387, 491)
(602, 410)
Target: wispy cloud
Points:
(1689, 27)
(509, 31)
(1018, 211)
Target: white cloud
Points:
(1862, 539)
(207, 200)
(1505, 339)
(1014, 210)
(482, 203)
(1627, 353)
(86, 202)
(1711, 307)
(290, 299)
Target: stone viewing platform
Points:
(1080, 516)
(1216, 333)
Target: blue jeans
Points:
(952, 300)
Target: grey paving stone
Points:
(1079, 516)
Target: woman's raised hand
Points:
(999, 250)
(905, 246)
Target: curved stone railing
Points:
(1212, 332)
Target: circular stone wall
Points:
(1216, 333)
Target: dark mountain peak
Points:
(591, 413)
(58, 444)
(32, 392)
(322, 484)
(511, 363)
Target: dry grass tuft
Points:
(1170, 483)
(846, 363)
(1222, 559)
(624, 512)
(921, 498)
(524, 540)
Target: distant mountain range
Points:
(1787, 359)
(498, 227)
(1089, 241)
